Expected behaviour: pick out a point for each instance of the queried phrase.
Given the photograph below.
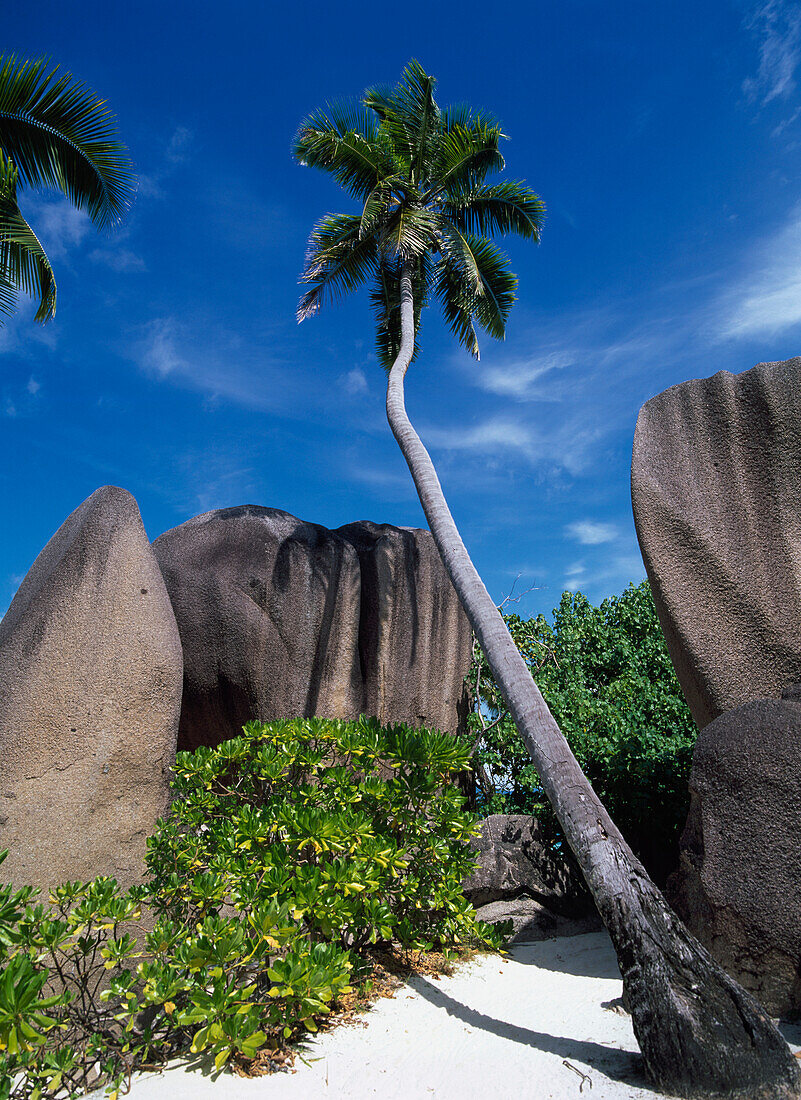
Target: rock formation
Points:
(717, 505)
(738, 883)
(90, 690)
(281, 618)
(514, 858)
(521, 878)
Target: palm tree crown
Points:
(54, 134)
(419, 173)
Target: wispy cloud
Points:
(20, 398)
(217, 362)
(57, 223)
(176, 152)
(354, 382)
(590, 533)
(179, 145)
(518, 379)
(561, 444)
(610, 575)
(777, 27)
(767, 297)
(122, 260)
(494, 434)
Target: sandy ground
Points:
(529, 1025)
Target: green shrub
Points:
(288, 852)
(607, 677)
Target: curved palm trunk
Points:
(701, 1035)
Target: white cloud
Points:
(768, 298)
(33, 386)
(119, 259)
(355, 382)
(157, 353)
(777, 26)
(494, 434)
(57, 223)
(214, 360)
(179, 145)
(589, 533)
(518, 379)
(612, 575)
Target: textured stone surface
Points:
(281, 618)
(514, 859)
(738, 886)
(717, 505)
(90, 690)
(533, 921)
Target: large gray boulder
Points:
(738, 886)
(515, 859)
(717, 505)
(90, 691)
(282, 618)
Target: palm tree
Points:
(54, 134)
(422, 231)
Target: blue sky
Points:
(664, 139)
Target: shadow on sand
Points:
(589, 955)
(619, 1065)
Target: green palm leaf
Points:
(499, 286)
(60, 135)
(419, 174)
(507, 207)
(385, 298)
(23, 262)
(449, 289)
(338, 261)
(341, 139)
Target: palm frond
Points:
(467, 155)
(419, 173)
(338, 261)
(458, 254)
(499, 286)
(385, 298)
(507, 207)
(376, 206)
(466, 117)
(449, 289)
(341, 139)
(411, 231)
(60, 135)
(23, 262)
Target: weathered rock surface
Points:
(515, 859)
(90, 691)
(533, 921)
(717, 505)
(738, 886)
(281, 618)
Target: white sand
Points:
(497, 1029)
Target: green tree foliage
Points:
(55, 134)
(419, 174)
(288, 853)
(607, 677)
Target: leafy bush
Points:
(607, 677)
(288, 852)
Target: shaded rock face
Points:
(280, 618)
(515, 860)
(90, 693)
(738, 886)
(717, 505)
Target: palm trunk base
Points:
(700, 1034)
